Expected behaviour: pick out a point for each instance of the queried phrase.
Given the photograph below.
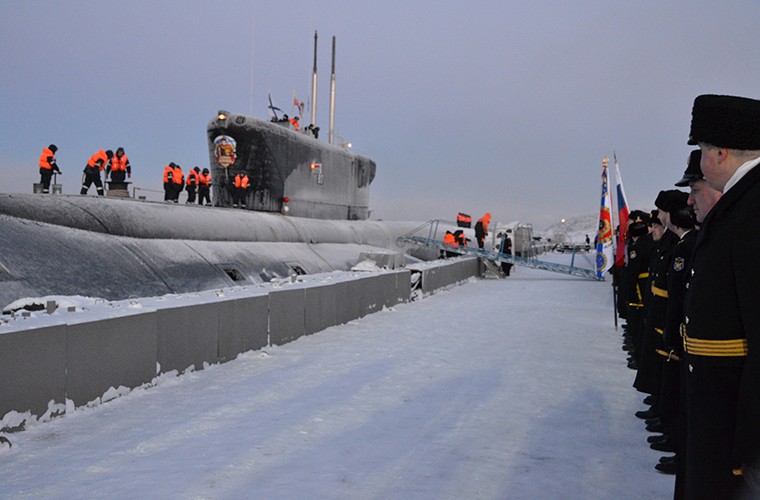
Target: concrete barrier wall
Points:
(32, 370)
(321, 307)
(188, 337)
(115, 352)
(286, 316)
(82, 361)
(243, 326)
(447, 274)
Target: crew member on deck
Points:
(178, 181)
(168, 183)
(204, 187)
(119, 167)
(48, 166)
(193, 180)
(240, 192)
(96, 164)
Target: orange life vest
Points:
(193, 178)
(205, 179)
(449, 238)
(177, 176)
(241, 181)
(44, 161)
(101, 157)
(168, 172)
(485, 221)
(119, 163)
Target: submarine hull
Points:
(117, 248)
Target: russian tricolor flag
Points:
(623, 213)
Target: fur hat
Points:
(671, 200)
(654, 218)
(725, 121)
(674, 202)
(683, 218)
(693, 171)
(639, 221)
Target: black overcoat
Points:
(723, 304)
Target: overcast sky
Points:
(501, 106)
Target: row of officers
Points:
(117, 166)
(689, 293)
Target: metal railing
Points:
(431, 228)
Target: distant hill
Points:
(573, 230)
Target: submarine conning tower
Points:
(290, 171)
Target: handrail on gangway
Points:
(494, 256)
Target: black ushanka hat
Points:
(725, 121)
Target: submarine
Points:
(307, 212)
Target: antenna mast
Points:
(332, 95)
(314, 85)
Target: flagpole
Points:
(615, 206)
(616, 210)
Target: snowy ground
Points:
(513, 388)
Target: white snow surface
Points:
(514, 388)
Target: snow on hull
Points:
(121, 248)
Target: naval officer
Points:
(721, 330)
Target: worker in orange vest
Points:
(168, 182)
(178, 182)
(449, 239)
(294, 122)
(120, 168)
(193, 179)
(96, 164)
(481, 229)
(204, 187)
(48, 166)
(460, 238)
(240, 193)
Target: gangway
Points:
(431, 240)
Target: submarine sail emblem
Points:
(225, 150)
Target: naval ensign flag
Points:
(604, 233)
